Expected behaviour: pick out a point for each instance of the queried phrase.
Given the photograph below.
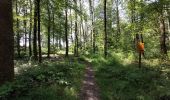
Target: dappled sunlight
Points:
(60, 79)
(84, 49)
(123, 80)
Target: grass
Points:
(119, 78)
(48, 81)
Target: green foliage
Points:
(50, 79)
(4, 90)
(122, 80)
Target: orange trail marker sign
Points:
(140, 47)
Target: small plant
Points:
(42, 80)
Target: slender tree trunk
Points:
(76, 33)
(66, 34)
(169, 21)
(39, 35)
(57, 43)
(6, 42)
(53, 30)
(81, 30)
(18, 34)
(82, 27)
(93, 37)
(93, 29)
(80, 33)
(49, 29)
(35, 32)
(71, 29)
(30, 32)
(163, 36)
(60, 46)
(83, 36)
(118, 21)
(25, 29)
(133, 17)
(105, 30)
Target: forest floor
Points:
(89, 77)
(89, 89)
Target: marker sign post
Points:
(140, 47)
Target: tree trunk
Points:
(76, 33)
(118, 21)
(163, 36)
(60, 46)
(93, 37)
(35, 32)
(133, 21)
(6, 42)
(71, 29)
(83, 37)
(105, 30)
(93, 29)
(66, 34)
(25, 29)
(18, 35)
(39, 35)
(30, 32)
(49, 29)
(53, 29)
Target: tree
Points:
(49, 28)
(158, 9)
(76, 33)
(39, 35)
(105, 30)
(117, 20)
(91, 4)
(66, 34)
(35, 31)
(6, 42)
(17, 32)
(30, 31)
(25, 28)
(162, 28)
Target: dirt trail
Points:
(89, 89)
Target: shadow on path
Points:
(89, 89)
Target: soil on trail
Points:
(89, 89)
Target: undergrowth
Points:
(48, 81)
(119, 78)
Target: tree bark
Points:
(25, 29)
(105, 30)
(53, 29)
(163, 36)
(76, 33)
(93, 35)
(39, 35)
(30, 32)
(35, 32)
(66, 34)
(71, 29)
(18, 34)
(49, 29)
(118, 20)
(6, 42)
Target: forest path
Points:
(89, 90)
